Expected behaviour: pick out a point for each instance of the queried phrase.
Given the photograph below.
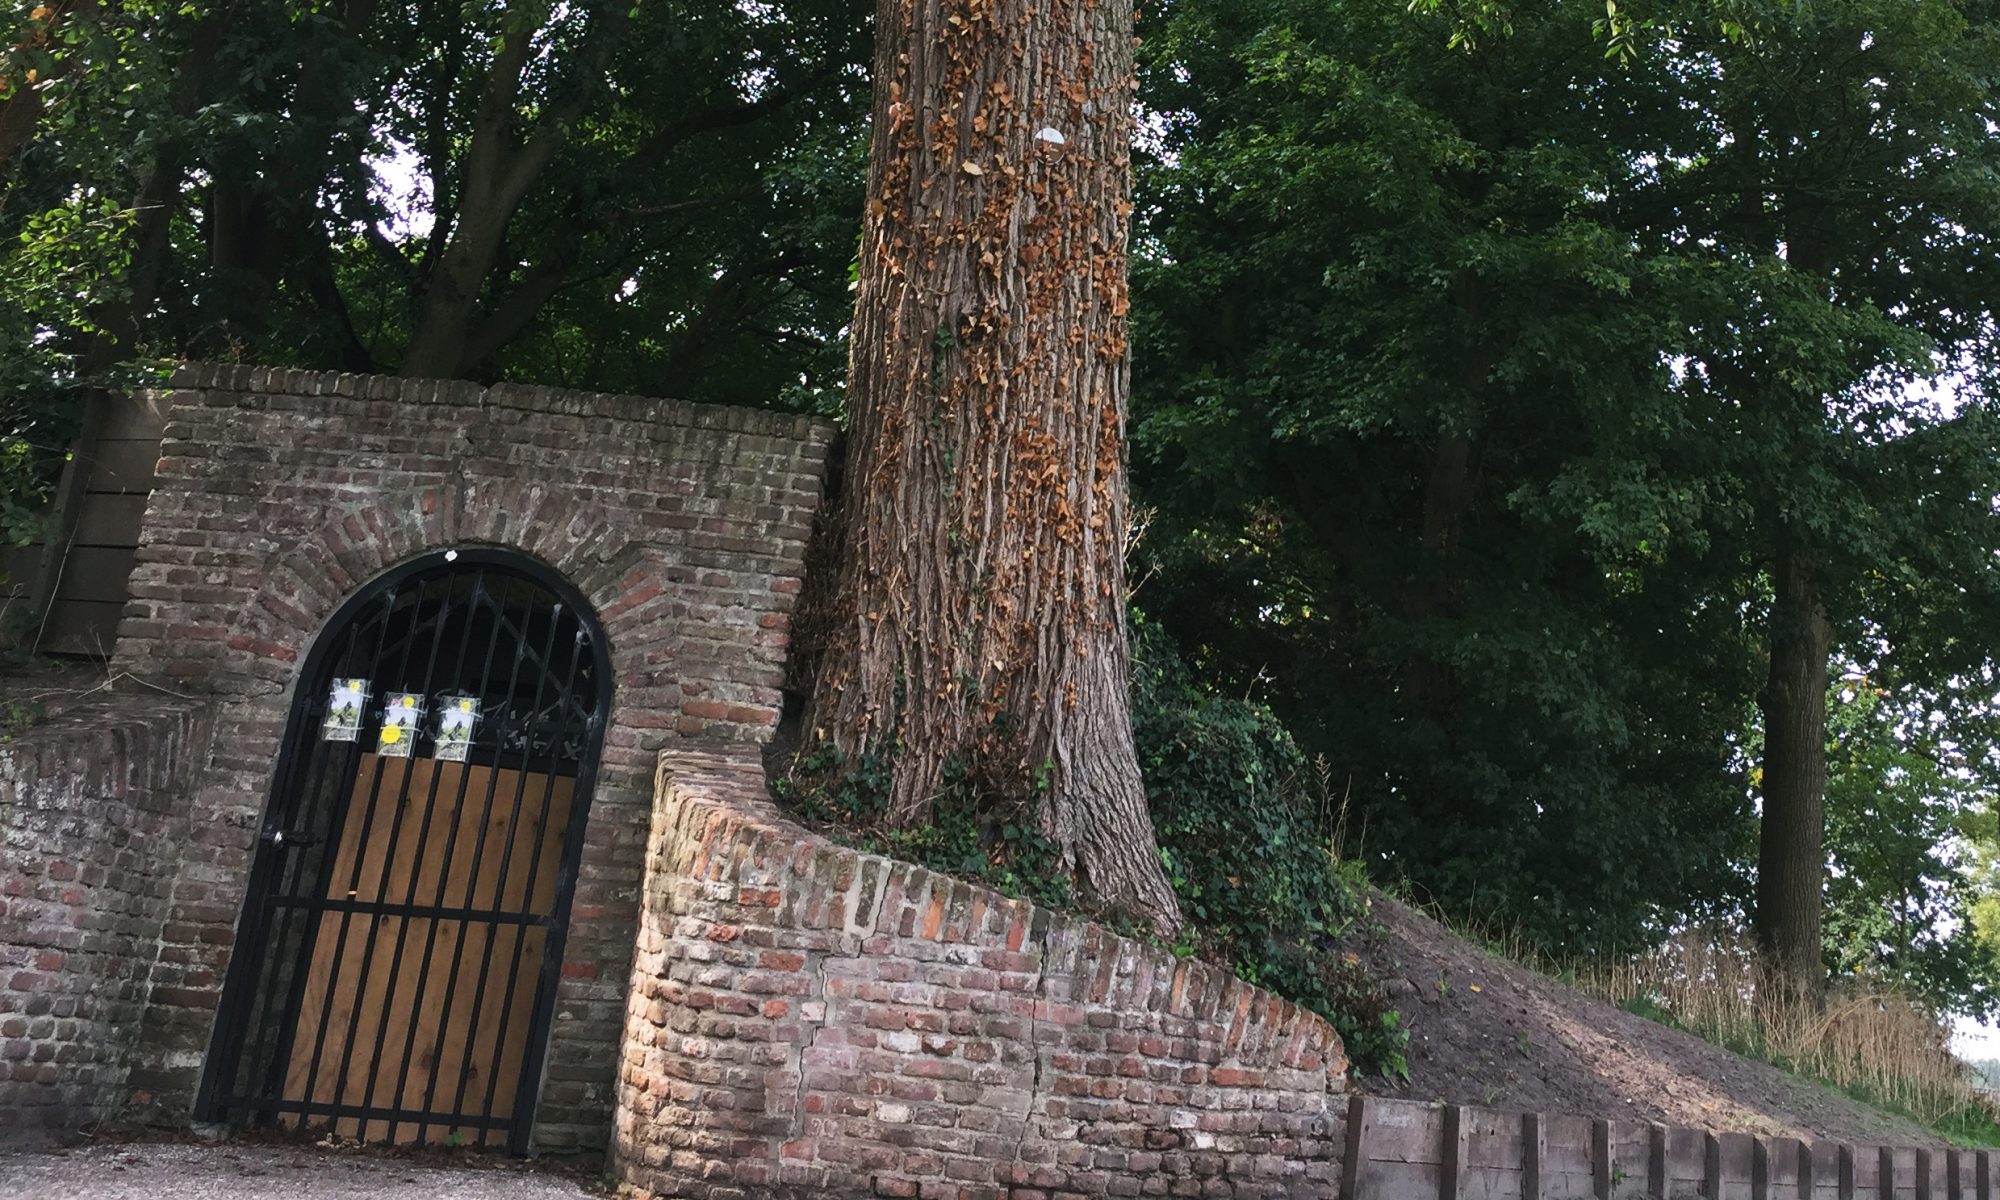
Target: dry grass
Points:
(1876, 1042)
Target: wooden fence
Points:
(75, 579)
(1403, 1151)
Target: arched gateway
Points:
(401, 943)
(297, 533)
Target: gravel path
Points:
(245, 1172)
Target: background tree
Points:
(1539, 432)
(1406, 409)
(596, 195)
(1842, 195)
(1907, 812)
(1480, 389)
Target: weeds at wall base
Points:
(1251, 852)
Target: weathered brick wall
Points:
(809, 1020)
(280, 492)
(93, 814)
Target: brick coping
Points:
(729, 787)
(280, 381)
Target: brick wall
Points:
(93, 813)
(808, 1020)
(280, 492)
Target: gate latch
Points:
(280, 839)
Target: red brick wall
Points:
(809, 1020)
(93, 815)
(280, 492)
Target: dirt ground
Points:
(231, 1171)
(1484, 1031)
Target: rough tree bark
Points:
(21, 107)
(979, 608)
(1791, 846)
(1791, 856)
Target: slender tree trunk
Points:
(979, 610)
(1791, 847)
(156, 200)
(499, 170)
(1432, 594)
(1431, 686)
(1791, 859)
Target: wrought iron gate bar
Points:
(447, 625)
(444, 880)
(423, 832)
(353, 887)
(360, 1112)
(528, 891)
(500, 888)
(472, 876)
(284, 1028)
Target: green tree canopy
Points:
(1482, 396)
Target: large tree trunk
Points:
(1791, 859)
(979, 610)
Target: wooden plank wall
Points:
(1401, 1151)
(387, 974)
(97, 533)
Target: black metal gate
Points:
(396, 964)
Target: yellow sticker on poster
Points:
(399, 725)
(456, 719)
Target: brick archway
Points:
(281, 493)
(357, 544)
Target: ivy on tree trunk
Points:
(979, 609)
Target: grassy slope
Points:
(1484, 1030)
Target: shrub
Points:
(994, 840)
(1875, 1042)
(1250, 857)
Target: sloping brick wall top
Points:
(93, 819)
(807, 1019)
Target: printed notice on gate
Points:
(399, 724)
(349, 699)
(454, 734)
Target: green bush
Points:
(1249, 855)
(993, 840)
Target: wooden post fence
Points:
(1401, 1151)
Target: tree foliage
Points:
(1575, 425)
(1425, 489)
(1485, 398)
(1906, 813)
(655, 198)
